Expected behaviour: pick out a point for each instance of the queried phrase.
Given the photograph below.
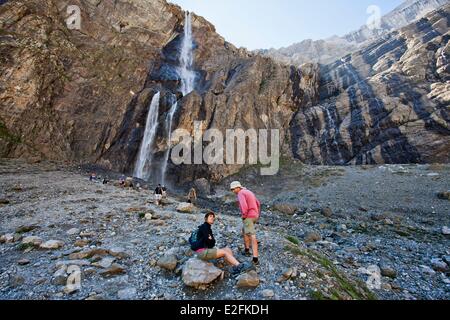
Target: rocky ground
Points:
(324, 232)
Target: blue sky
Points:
(256, 24)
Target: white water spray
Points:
(145, 158)
(185, 70)
(187, 76)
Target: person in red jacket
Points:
(250, 210)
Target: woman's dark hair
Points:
(210, 214)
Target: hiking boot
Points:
(237, 270)
(246, 253)
(248, 266)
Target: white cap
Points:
(235, 184)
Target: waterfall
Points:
(169, 121)
(185, 70)
(145, 158)
(332, 125)
(187, 76)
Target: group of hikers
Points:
(127, 182)
(203, 243)
(202, 239)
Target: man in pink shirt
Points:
(250, 211)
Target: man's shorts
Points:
(249, 226)
(158, 196)
(208, 254)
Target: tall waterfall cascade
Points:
(144, 160)
(187, 76)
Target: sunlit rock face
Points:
(84, 95)
(331, 49)
(387, 103)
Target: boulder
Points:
(81, 243)
(168, 262)
(52, 245)
(25, 229)
(23, 262)
(248, 280)
(118, 252)
(286, 209)
(439, 265)
(327, 212)
(185, 207)
(267, 293)
(88, 254)
(148, 216)
(105, 263)
(388, 271)
(446, 231)
(114, 270)
(16, 281)
(32, 240)
(60, 276)
(427, 270)
(7, 238)
(73, 231)
(378, 216)
(313, 237)
(198, 274)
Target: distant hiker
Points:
(158, 194)
(250, 210)
(93, 176)
(164, 192)
(122, 180)
(129, 183)
(202, 242)
(192, 196)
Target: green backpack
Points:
(194, 240)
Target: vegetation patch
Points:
(6, 135)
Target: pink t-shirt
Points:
(249, 205)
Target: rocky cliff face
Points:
(84, 94)
(328, 50)
(388, 103)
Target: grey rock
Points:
(198, 274)
(52, 245)
(439, 265)
(168, 262)
(185, 207)
(327, 212)
(32, 240)
(248, 280)
(388, 271)
(446, 231)
(267, 293)
(73, 231)
(16, 281)
(313, 237)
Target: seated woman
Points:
(204, 247)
